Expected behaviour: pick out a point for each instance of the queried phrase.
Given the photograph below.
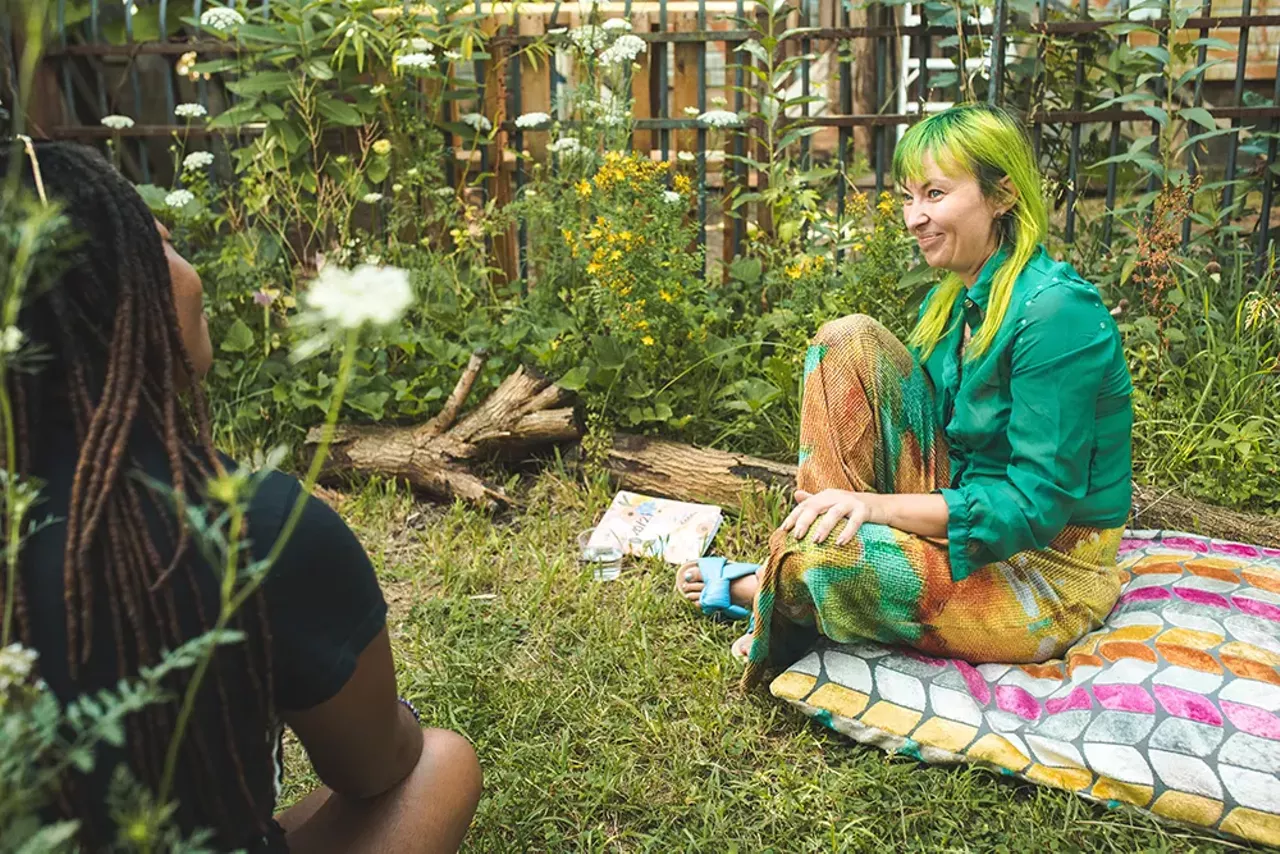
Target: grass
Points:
(606, 715)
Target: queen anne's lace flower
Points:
(477, 121)
(624, 50)
(589, 38)
(371, 198)
(687, 156)
(618, 24)
(416, 61)
(179, 198)
(672, 197)
(11, 339)
(190, 111)
(16, 663)
(117, 122)
(533, 120)
(197, 160)
(351, 298)
(720, 118)
(566, 145)
(221, 19)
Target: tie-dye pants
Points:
(867, 424)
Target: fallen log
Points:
(525, 411)
(675, 470)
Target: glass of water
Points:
(605, 561)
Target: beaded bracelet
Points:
(413, 710)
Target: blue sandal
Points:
(717, 573)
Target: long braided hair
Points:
(116, 365)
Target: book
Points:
(641, 525)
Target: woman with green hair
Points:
(965, 493)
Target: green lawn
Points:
(607, 719)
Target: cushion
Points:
(1173, 706)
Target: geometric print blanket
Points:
(1172, 706)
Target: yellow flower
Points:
(683, 185)
(382, 147)
(647, 340)
(593, 268)
(555, 343)
(615, 255)
(584, 189)
(642, 324)
(795, 271)
(568, 236)
(665, 296)
(857, 247)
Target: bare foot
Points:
(742, 591)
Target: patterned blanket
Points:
(1173, 706)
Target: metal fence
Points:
(867, 50)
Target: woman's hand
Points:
(832, 505)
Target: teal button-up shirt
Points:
(1039, 425)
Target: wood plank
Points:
(684, 79)
(535, 85)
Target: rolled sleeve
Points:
(1060, 352)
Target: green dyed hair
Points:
(987, 144)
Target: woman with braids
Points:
(116, 579)
(964, 493)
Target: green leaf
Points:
(575, 379)
(1159, 54)
(377, 170)
(1200, 116)
(796, 135)
(263, 81)
(319, 69)
(1126, 271)
(338, 112)
(1156, 113)
(238, 115)
(1122, 99)
(152, 195)
(756, 49)
(239, 338)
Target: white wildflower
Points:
(117, 122)
(624, 50)
(532, 120)
(566, 145)
(11, 339)
(371, 198)
(442, 192)
(691, 112)
(421, 45)
(672, 197)
(16, 663)
(589, 38)
(197, 160)
(618, 24)
(179, 198)
(720, 118)
(396, 188)
(477, 122)
(416, 61)
(452, 55)
(687, 156)
(190, 111)
(557, 31)
(378, 90)
(351, 298)
(221, 19)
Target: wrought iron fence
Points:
(94, 67)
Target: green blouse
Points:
(1039, 425)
